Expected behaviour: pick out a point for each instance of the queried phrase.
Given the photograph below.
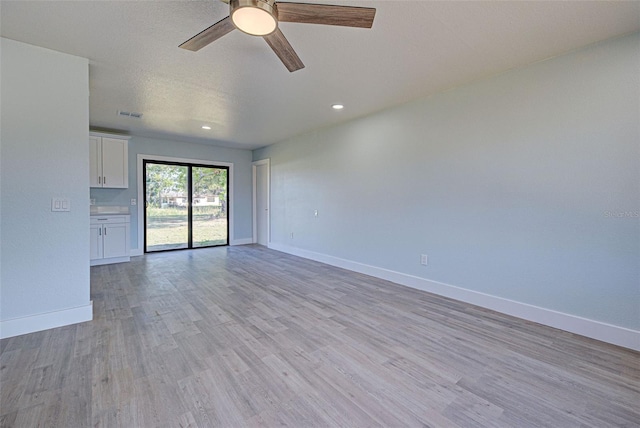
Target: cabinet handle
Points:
(105, 231)
(99, 180)
(104, 180)
(100, 232)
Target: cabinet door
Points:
(114, 239)
(115, 163)
(96, 242)
(95, 162)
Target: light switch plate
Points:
(60, 204)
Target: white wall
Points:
(241, 160)
(524, 187)
(45, 125)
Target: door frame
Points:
(254, 170)
(142, 157)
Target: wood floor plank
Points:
(246, 336)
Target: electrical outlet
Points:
(133, 201)
(423, 259)
(315, 213)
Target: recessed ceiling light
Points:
(337, 106)
(206, 127)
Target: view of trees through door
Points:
(185, 206)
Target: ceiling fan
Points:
(261, 17)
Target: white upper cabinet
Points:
(95, 159)
(109, 156)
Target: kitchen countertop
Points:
(108, 210)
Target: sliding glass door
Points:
(166, 207)
(209, 213)
(185, 206)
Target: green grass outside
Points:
(170, 231)
(155, 212)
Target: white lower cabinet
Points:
(96, 241)
(109, 239)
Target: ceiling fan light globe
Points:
(254, 17)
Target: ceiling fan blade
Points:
(347, 16)
(209, 35)
(283, 49)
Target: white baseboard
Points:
(604, 332)
(244, 241)
(39, 322)
(136, 252)
(109, 261)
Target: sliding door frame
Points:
(254, 171)
(196, 162)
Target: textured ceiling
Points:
(240, 88)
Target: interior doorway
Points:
(261, 201)
(185, 205)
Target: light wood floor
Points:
(245, 336)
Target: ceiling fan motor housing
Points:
(255, 17)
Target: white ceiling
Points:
(240, 88)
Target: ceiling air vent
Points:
(130, 114)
